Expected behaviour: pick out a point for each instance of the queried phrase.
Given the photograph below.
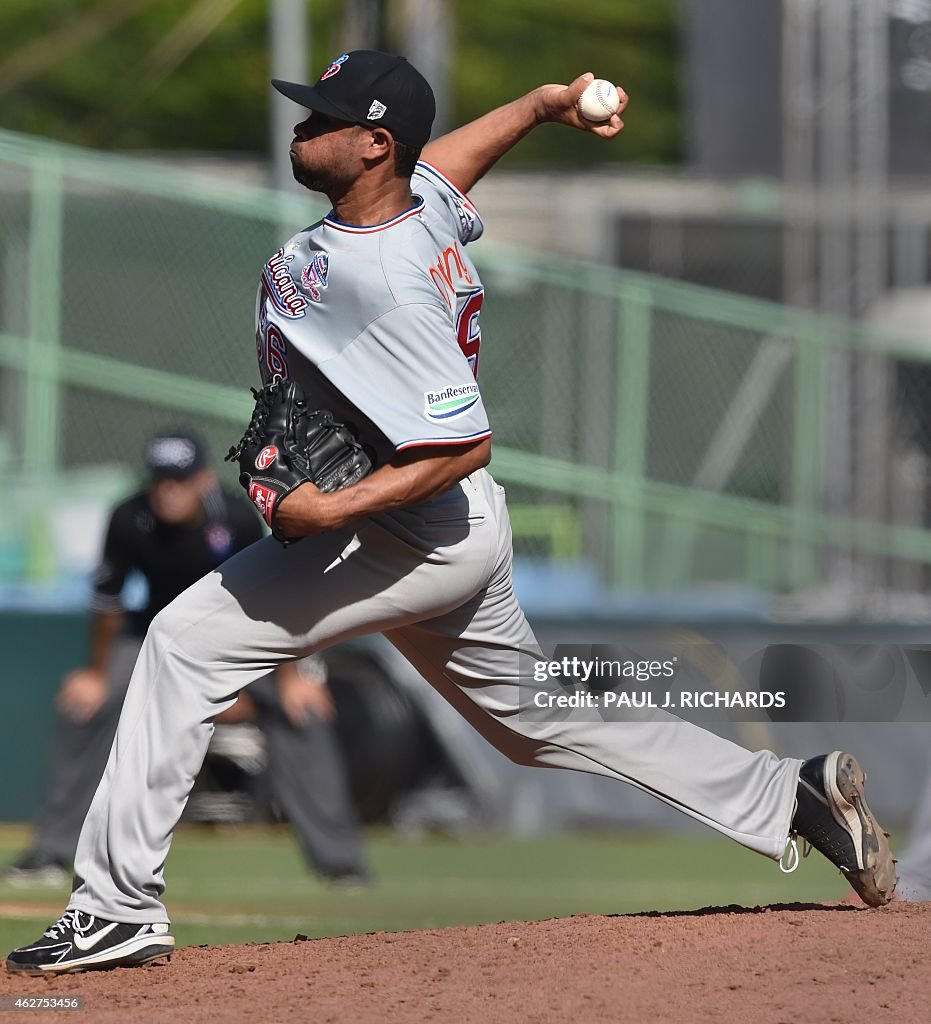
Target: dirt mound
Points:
(774, 964)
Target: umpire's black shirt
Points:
(170, 557)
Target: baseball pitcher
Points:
(369, 342)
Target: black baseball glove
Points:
(284, 446)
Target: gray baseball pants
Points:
(436, 580)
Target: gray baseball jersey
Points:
(380, 324)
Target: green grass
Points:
(240, 885)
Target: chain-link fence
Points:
(668, 434)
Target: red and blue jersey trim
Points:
(355, 229)
(432, 172)
(427, 441)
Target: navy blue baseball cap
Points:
(374, 89)
(175, 456)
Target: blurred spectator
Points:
(182, 526)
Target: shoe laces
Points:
(790, 858)
(70, 919)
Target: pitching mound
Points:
(775, 964)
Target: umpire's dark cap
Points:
(371, 88)
(175, 456)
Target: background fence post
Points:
(630, 439)
(807, 456)
(43, 381)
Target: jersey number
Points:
(271, 347)
(468, 332)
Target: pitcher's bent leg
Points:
(471, 657)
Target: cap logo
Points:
(376, 110)
(333, 69)
(171, 453)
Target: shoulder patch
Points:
(466, 219)
(314, 277)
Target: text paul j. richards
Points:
(645, 699)
(575, 670)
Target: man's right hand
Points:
(559, 104)
(82, 694)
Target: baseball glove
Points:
(285, 445)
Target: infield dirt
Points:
(811, 962)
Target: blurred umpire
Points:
(182, 526)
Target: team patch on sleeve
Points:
(448, 402)
(467, 219)
(315, 276)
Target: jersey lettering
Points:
(442, 275)
(280, 287)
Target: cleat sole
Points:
(876, 880)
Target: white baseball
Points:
(599, 101)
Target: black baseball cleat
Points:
(832, 816)
(83, 942)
